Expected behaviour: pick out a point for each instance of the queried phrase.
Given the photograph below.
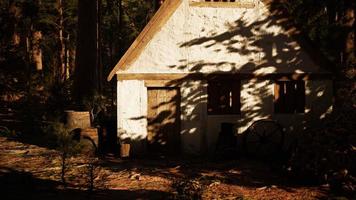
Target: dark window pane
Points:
(300, 104)
(223, 96)
(289, 97)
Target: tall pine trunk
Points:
(62, 62)
(349, 49)
(36, 38)
(36, 52)
(99, 42)
(15, 14)
(85, 84)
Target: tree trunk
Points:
(67, 58)
(62, 62)
(15, 14)
(99, 42)
(28, 65)
(332, 12)
(350, 35)
(36, 50)
(86, 78)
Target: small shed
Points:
(198, 64)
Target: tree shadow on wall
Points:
(267, 49)
(268, 53)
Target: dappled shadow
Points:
(23, 185)
(244, 173)
(269, 40)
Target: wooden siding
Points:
(223, 4)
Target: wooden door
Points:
(163, 121)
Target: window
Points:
(289, 97)
(223, 97)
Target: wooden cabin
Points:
(198, 64)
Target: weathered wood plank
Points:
(223, 4)
(158, 83)
(200, 76)
(154, 76)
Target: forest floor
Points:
(32, 172)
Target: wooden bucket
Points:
(77, 119)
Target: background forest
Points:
(40, 44)
(40, 39)
(56, 55)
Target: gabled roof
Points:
(279, 18)
(153, 26)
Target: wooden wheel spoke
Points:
(274, 130)
(264, 131)
(264, 138)
(256, 132)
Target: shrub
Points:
(4, 131)
(65, 142)
(188, 189)
(328, 153)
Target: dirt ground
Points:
(33, 172)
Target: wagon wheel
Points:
(264, 139)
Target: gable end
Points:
(153, 26)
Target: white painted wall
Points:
(132, 112)
(244, 40)
(194, 116)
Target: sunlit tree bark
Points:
(62, 62)
(36, 52)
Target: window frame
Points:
(213, 95)
(289, 97)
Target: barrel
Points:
(77, 119)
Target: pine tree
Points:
(86, 71)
